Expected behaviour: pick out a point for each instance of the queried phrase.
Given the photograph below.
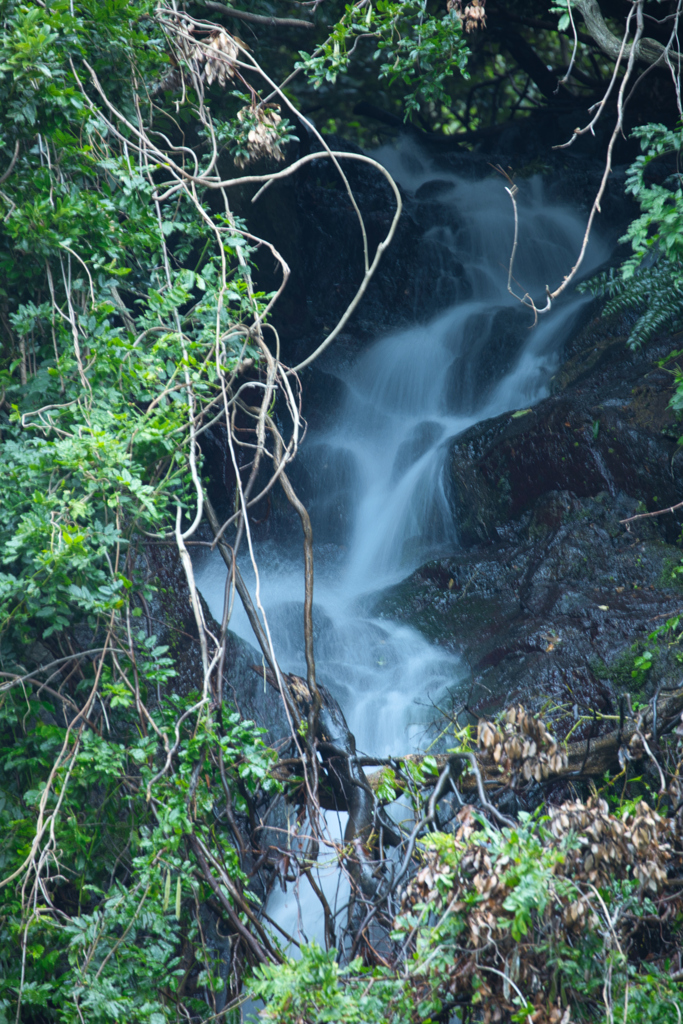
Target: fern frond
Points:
(656, 293)
(650, 282)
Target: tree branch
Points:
(258, 19)
(529, 61)
(15, 157)
(586, 758)
(647, 51)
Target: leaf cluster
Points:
(420, 49)
(650, 283)
(122, 311)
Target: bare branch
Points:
(15, 157)
(258, 19)
(646, 50)
(649, 515)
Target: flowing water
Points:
(384, 460)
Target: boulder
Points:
(551, 596)
(607, 428)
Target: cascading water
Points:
(385, 457)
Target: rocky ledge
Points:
(551, 596)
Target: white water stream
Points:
(384, 457)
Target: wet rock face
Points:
(607, 428)
(549, 610)
(551, 596)
(313, 223)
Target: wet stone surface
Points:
(550, 597)
(607, 427)
(550, 611)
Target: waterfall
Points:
(384, 459)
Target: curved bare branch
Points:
(647, 51)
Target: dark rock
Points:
(311, 221)
(607, 428)
(551, 595)
(434, 191)
(550, 611)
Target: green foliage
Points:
(120, 310)
(115, 944)
(650, 282)
(316, 988)
(563, 12)
(507, 891)
(96, 449)
(388, 789)
(641, 666)
(417, 48)
(633, 667)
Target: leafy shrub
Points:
(650, 283)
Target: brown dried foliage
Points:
(262, 138)
(214, 56)
(472, 16)
(641, 846)
(594, 849)
(520, 746)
